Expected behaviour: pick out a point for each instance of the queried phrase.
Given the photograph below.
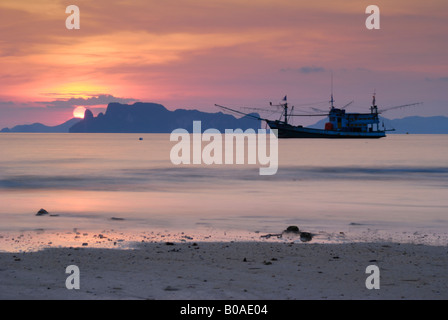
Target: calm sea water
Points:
(396, 183)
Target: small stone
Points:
(292, 229)
(306, 236)
(41, 212)
(169, 288)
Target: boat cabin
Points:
(339, 120)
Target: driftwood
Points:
(291, 230)
(267, 236)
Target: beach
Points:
(261, 269)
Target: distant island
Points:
(41, 128)
(155, 118)
(142, 118)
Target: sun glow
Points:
(79, 112)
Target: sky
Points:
(192, 54)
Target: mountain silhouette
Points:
(41, 128)
(155, 118)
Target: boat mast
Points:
(374, 109)
(286, 110)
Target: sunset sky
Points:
(195, 53)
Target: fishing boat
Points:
(340, 125)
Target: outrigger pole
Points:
(245, 114)
(264, 119)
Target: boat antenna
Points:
(332, 100)
(374, 107)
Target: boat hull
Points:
(285, 131)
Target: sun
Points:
(79, 112)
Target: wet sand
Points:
(258, 269)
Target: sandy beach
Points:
(206, 270)
(138, 227)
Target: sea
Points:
(389, 189)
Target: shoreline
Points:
(126, 238)
(239, 269)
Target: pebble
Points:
(306, 236)
(292, 229)
(41, 212)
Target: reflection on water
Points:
(86, 179)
